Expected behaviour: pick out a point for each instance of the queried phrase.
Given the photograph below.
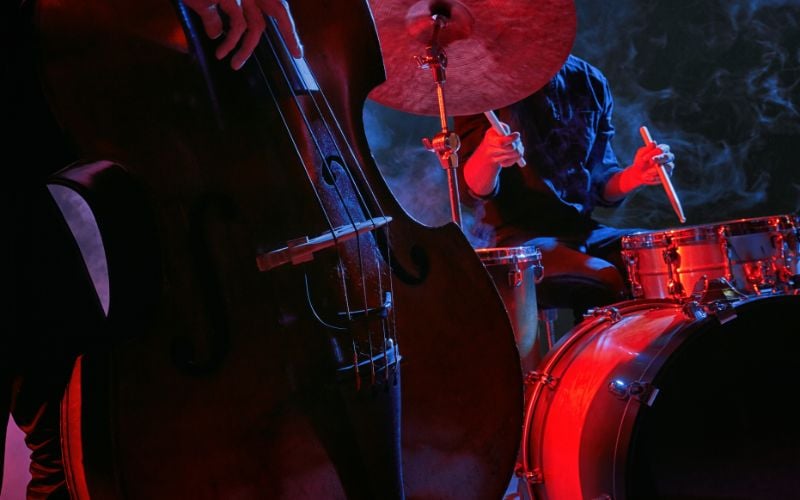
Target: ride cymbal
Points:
(497, 51)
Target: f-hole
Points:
(332, 164)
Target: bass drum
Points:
(655, 399)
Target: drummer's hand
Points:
(500, 150)
(646, 163)
(246, 24)
(643, 171)
(495, 151)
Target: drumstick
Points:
(499, 129)
(665, 180)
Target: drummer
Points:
(563, 132)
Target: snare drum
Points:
(515, 271)
(754, 255)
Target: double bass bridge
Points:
(300, 250)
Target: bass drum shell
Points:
(660, 403)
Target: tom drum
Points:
(515, 271)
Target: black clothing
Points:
(52, 301)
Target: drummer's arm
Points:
(608, 188)
(613, 183)
(485, 159)
(481, 177)
(470, 130)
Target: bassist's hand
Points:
(246, 24)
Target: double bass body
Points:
(225, 380)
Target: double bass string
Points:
(357, 193)
(330, 223)
(360, 194)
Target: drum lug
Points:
(793, 284)
(609, 312)
(724, 311)
(534, 476)
(671, 254)
(674, 288)
(644, 392)
(693, 310)
(631, 259)
(515, 276)
(672, 258)
(538, 273)
(535, 377)
(716, 290)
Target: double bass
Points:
(277, 325)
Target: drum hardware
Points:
(631, 260)
(715, 290)
(674, 287)
(548, 317)
(530, 477)
(610, 313)
(716, 303)
(644, 392)
(515, 277)
(673, 260)
(694, 310)
(723, 310)
(536, 377)
(446, 143)
(515, 272)
(760, 273)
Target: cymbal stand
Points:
(446, 143)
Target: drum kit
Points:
(676, 393)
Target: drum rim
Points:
(704, 232)
(506, 255)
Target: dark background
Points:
(719, 81)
